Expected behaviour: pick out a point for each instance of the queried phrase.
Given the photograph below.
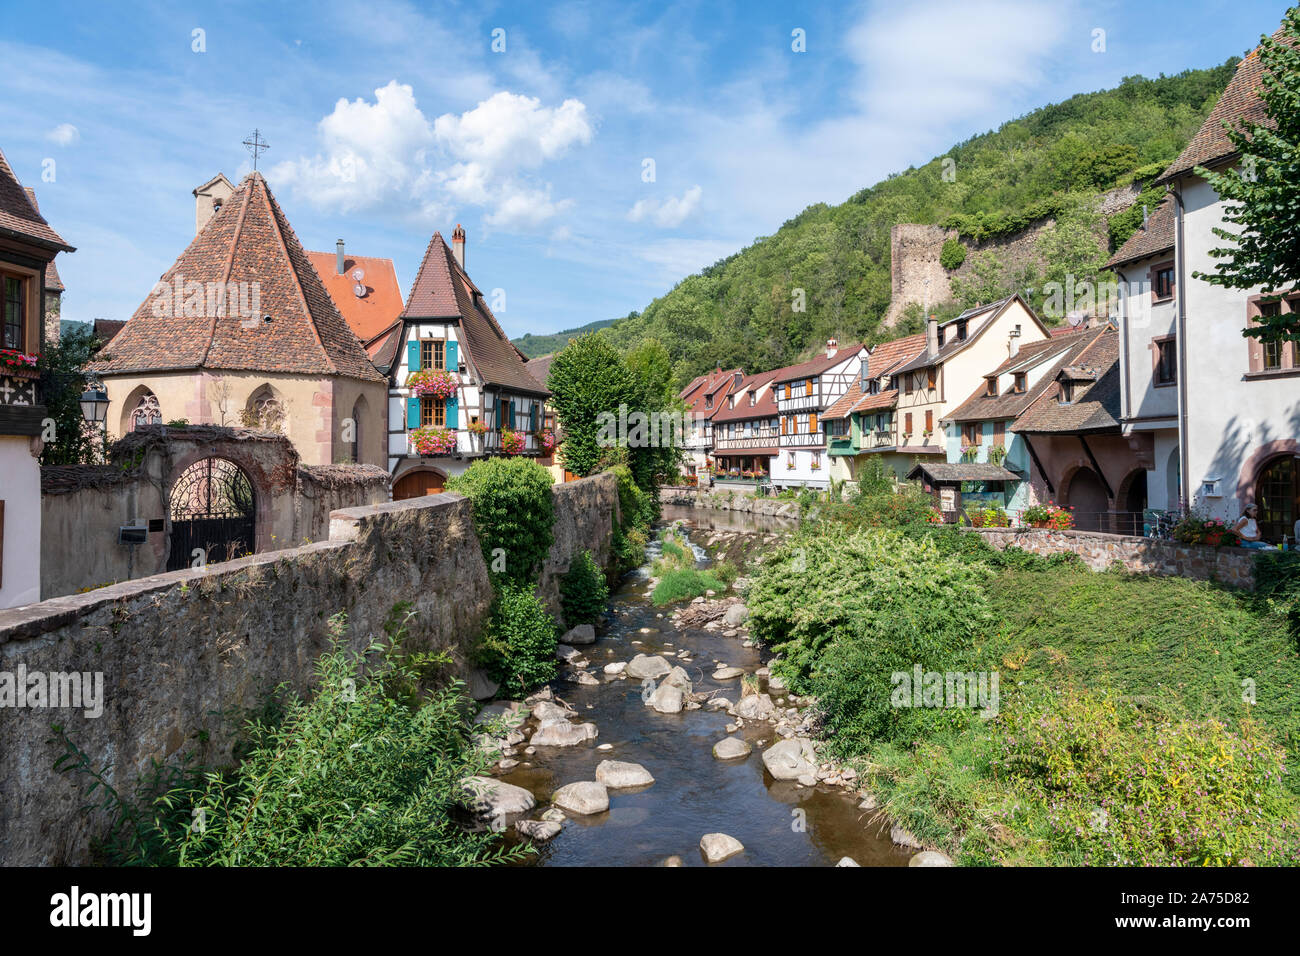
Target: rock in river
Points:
(727, 673)
(930, 858)
(791, 759)
(616, 668)
(641, 667)
(563, 734)
(582, 634)
(754, 707)
(678, 678)
(489, 798)
(585, 797)
(618, 774)
(538, 831)
(904, 838)
(731, 748)
(717, 847)
(736, 615)
(666, 699)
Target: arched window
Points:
(360, 408)
(1277, 492)
(146, 412)
(264, 411)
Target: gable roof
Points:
(1240, 104)
(1155, 237)
(366, 315)
(1097, 409)
(248, 241)
(19, 216)
(1059, 350)
(883, 358)
(716, 384)
(764, 407)
(53, 283)
(540, 368)
(955, 345)
(817, 365)
(443, 291)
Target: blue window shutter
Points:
(412, 413)
(452, 410)
(412, 356)
(512, 413)
(453, 362)
(532, 416)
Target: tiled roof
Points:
(844, 405)
(106, 329)
(875, 403)
(817, 365)
(764, 407)
(883, 358)
(717, 384)
(1240, 103)
(248, 241)
(366, 315)
(52, 281)
(955, 345)
(1096, 409)
(982, 407)
(19, 216)
(382, 349)
(442, 290)
(540, 367)
(963, 471)
(1156, 237)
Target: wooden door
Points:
(417, 484)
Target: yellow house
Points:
(241, 331)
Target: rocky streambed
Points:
(666, 741)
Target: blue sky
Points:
(388, 120)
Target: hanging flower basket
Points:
(434, 382)
(433, 441)
(512, 443)
(548, 440)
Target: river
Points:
(779, 822)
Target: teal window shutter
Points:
(412, 356)
(511, 413)
(412, 413)
(453, 406)
(453, 361)
(532, 416)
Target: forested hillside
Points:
(1054, 161)
(535, 345)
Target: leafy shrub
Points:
(1120, 788)
(637, 506)
(683, 584)
(355, 775)
(1211, 532)
(1050, 515)
(584, 592)
(868, 587)
(629, 547)
(519, 646)
(513, 512)
(953, 254)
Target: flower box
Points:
(434, 382)
(431, 441)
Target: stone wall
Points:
(186, 654)
(1231, 566)
(729, 501)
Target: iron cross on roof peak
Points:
(256, 145)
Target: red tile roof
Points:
(366, 315)
(717, 384)
(764, 407)
(817, 365)
(442, 290)
(19, 216)
(1095, 410)
(248, 241)
(883, 358)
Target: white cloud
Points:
(373, 153)
(65, 134)
(668, 213)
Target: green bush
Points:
(519, 646)
(513, 512)
(683, 584)
(953, 254)
(584, 592)
(1113, 786)
(353, 776)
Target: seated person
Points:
(1247, 528)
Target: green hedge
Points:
(513, 513)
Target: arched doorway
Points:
(417, 484)
(1135, 505)
(213, 511)
(1087, 496)
(1277, 492)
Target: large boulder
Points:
(666, 699)
(487, 797)
(642, 667)
(539, 831)
(754, 707)
(563, 734)
(582, 634)
(736, 615)
(717, 847)
(791, 759)
(479, 686)
(618, 774)
(545, 711)
(732, 748)
(584, 798)
(677, 677)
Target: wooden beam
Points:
(1097, 468)
(1041, 470)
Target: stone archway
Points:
(213, 512)
(1086, 494)
(1277, 492)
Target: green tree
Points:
(588, 380)
(953, 254)
(514, 513)
(985, 283)
(1263, 191)
(62, 384)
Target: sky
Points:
(596, 153)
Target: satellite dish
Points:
(1076, 319)
(358, 274)
(359, 291)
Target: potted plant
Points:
(1049, 516)
(1200, 530)
(548, 440)
(18, 364)
(477, 427)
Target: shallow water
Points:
(780, 823)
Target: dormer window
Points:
(708, 401)
(1065, 395)
(1019, 385)
(961, 330)
(873, 387)
(753, 399)
(991, 386)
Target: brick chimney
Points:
(339, 265)
(831, 347)
(932, 336)
(458, 245)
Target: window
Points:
(15, 313)
(433, 353)
(146, 412)
(1272, 350)
(433, 411)
(961, 331)
(931, 377)
(929, 420)
(1162, 282)
(1019, 385)
(971, 432)
(1166, 371)
(785, 425)
(708, 401)
(1065, 393)
(752, 398)
(908, 381)
(991, 386)
(787, 389)
(873, 387)
(1271, 356)
(907, 424)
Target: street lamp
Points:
(94, 404)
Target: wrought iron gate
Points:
(212, 509)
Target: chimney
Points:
(1146, 219)
(339, 263)
(831, 346)
(932, 336)
(458, 246)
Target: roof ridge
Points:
(225, 275)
